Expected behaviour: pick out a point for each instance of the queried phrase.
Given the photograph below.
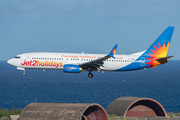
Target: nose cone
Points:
(10, 61)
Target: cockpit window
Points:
(17, 57)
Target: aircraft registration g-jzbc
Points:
(76, 62)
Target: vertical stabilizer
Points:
(155, 55)
(159, 48)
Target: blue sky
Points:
(92, 26)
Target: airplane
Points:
(76, 62)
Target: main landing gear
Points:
(90, 75)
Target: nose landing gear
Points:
(24, 72)
(90, 75)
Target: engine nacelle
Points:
(70, 68)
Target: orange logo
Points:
(157, 53)
(114, 51)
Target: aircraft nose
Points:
(10, 61)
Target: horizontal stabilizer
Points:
(164, 58)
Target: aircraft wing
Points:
(96, 64)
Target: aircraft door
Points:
(22, 58)
(28, 57)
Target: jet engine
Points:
(70, 68)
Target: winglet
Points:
(113, 51)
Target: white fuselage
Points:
(47, 60)
(75, 63)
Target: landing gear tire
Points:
(90, 75)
